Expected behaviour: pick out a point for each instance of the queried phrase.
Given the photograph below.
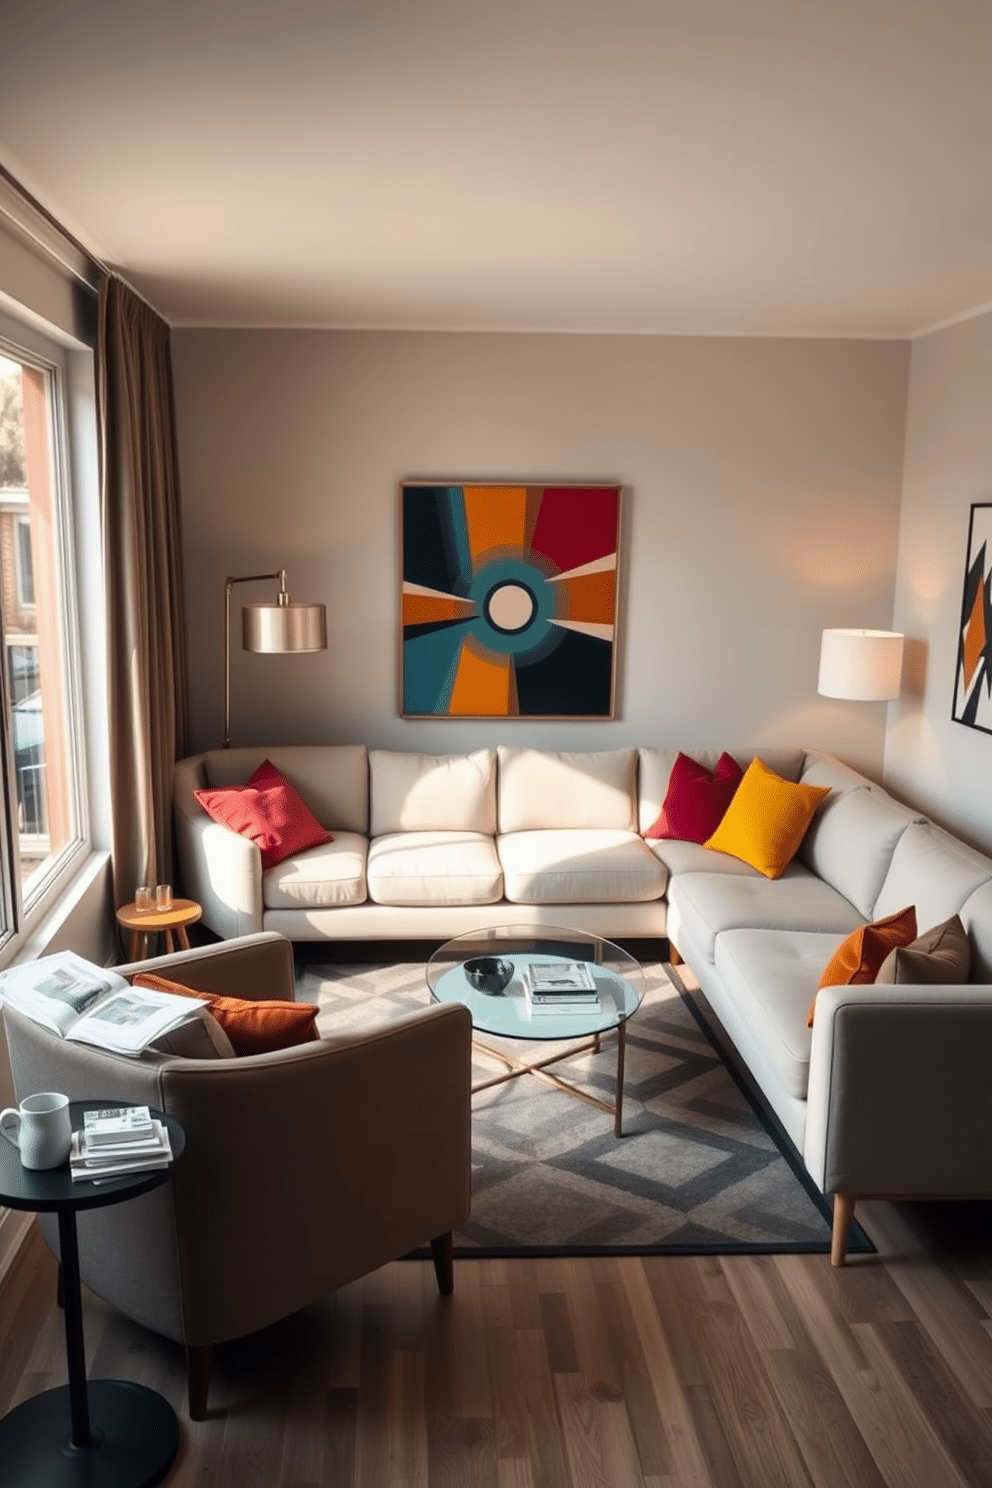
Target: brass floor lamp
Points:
(278, 627)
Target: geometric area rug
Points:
(701, 1167)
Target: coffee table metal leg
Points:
(621, 1051)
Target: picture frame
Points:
(973, 673)
(509, 599)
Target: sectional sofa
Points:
(888, 1094)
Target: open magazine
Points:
(92, 1005)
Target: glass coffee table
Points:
(507, 1013)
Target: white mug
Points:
(41, 1128)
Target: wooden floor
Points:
(736, 1372)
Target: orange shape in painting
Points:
(592, 597)
(428, 609)
(484, 685)
(496, 519)
(974, 636)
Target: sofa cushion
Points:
(693, 857)
(542, 790)
(771, 978)
(976, 916)
(851, 840)
(434, 868)
(322, 877)
(941, 957)
(655, 769)
(432, 793)
(767, 819)
(934, 871)
(333, 779)
(582, 866)
(696, 799)
(825, 769)
(708, 904)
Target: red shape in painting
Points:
(576, 525)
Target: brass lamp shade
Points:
(284, 627)
(277, 628)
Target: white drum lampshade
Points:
(861, 665)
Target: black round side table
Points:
(105, 1433)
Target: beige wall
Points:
(942, 766)
(763, 484)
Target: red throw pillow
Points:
(269, 811)
(696, 800)
(252, 1027)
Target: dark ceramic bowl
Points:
(488, 973)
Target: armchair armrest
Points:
(311, 1166)
(899, 1097)
(255, 966)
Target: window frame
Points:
(30, 347)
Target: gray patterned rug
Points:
(699, 1169)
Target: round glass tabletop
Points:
(512, 1013)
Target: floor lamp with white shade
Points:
(861, 665)
(279, 627)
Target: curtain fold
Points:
(142, 550)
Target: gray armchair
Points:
(303, 1169)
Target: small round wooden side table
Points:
(144, 923)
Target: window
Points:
(41, 753)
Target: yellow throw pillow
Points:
(767, 819)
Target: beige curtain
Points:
(143, 566)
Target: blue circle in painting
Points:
(516, 605)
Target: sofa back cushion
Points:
(432, 793)
(851, 840)
(934, 871)
(541, 790)
(655, 767)
(332, 779)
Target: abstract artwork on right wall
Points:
(973, 678)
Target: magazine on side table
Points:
(92, 1005)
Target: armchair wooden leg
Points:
(60, 1289)
(444, 1265)
(198, 1360)
(843, 1219)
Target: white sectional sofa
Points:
(887, 1095)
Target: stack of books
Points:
(118, 1140)
(559, 987)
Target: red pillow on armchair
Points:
(697, 799)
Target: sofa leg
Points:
(198, 1360)
(444, 1265)
(674, 959)
(843, 1219)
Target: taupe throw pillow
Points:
(942, 955)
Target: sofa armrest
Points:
(222, 871)
(899, 1097)
(254, 966)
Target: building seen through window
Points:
(35, 713)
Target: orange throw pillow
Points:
(253, 1027)
(857, 960)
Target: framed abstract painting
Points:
(509, 600)
(973, 677)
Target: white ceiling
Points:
(731, 166)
